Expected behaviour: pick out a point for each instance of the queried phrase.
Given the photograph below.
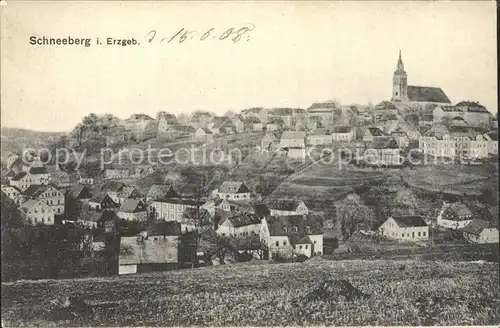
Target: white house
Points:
(454, 216)
(289, 236)
(34, 176)
(492, 139)
(11, 192)
(405, 228)
(47, 194)
(373, 132)
(116, 173)
(240, 225)
(481, 232)
(284, 207)
(204, 134)
(343, 133)
(292, 139)
(170, 209)
(233, 190)
(102, 201)
(38, 212)
(212, 205)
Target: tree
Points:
(406, 201)
(352, 215)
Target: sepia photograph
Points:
(249, 163)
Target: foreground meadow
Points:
(397, 293)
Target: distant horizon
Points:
(348, 51)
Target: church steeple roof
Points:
(401, 66)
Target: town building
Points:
(128, 192)
(292, 139)
(138, 123)
(170, 209)
(240, 225)
(290, 236)
(472, 113)
(454, 216)
(204, 134)
(132, 210)
(159, 192)
(492, 140)
(117, 173)
(401, 138)
(285, 207)
(34, 176)
(155, 249)
(234, 190)
(212, 205)
(37, 212)
(481, 232)
(113, 188)
(50, 195)
(405, 228)
(12, 192)
(371, 133)
(410, 94)
(269, 142)
(383, 151)
(322, 113)
(166, 122)
(238, 124)
(102, 201)
(343, 133)
(319, 136)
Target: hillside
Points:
(398, 293)
(15, 140)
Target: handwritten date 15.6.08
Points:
(233, 34)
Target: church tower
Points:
(400, 82)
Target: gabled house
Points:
(155, 249)
(102, 201)
(323, 112)
(166, 122)
(383, 151)
(37, 212)
(13, 193)
(319, 136)
(47, 194)
(373, 132)
(159, 192)
(401, 138)
(240, 225)
(426, 120)
(454, 216)
(170, 209)
(193, 218)
(405, 228)
(212, 205)
(204, 134)
(79, 192)
(481, 232)
(138, 122)
(233, 190)
(290, 236)
(34, 176)
(113, 188)
(343, 133)
(133, 210)
(128, 192)
(238, 124)
(284, 207)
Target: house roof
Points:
(36, 190)
(293, 135)
(112, 186)
(29, 204)
(493, 135)
(183, 201)
(386, 142)
(285, 111)
(261, 210)
(277, 225)
(19, 176)
(427, 117)
(376, 132)
(322, 106)
(342, 129)
(472, 106)
(233, 187)
(246, 219)
(477, 226)
(161, 191)
(184, 128)
(136, 250)
(298, 239)
(427, 94)
(285, 204)
(320, 132)
(409, 221)
(140, 117)
(127, 191)
(164, 228)
(191, 215)
(221, 121)
(166, 116)
(77, 190)
(206, 130)
(38, 170)
(132, 206)
(251, 120)
(99, 198)
(385, 105)
(269, 136)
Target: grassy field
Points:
(399, 293)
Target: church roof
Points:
(427, 94)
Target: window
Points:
(156, 238)
(300, 246)
(284, 243)
(295, 229)
(43, 220)
(308, 229)
(307, 246)
(277, 243)
(418, 233)
(285, 229)
(423, 233)
(402, 235)
(223, 234)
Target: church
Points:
(411, 94)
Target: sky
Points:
(298, 53)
